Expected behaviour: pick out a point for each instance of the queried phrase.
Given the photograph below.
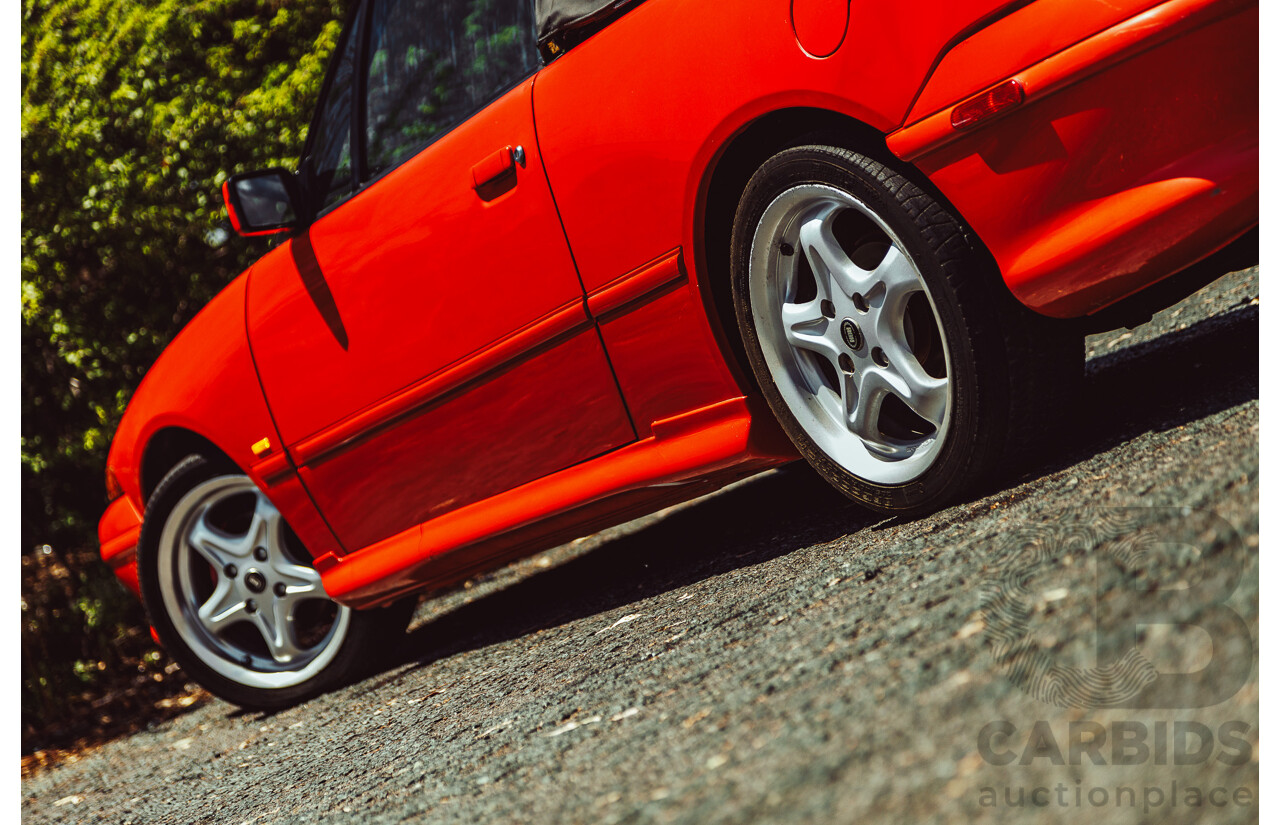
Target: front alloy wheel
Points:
(235, 599)
(238, 595)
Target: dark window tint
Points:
(331, 168)
(434, 62)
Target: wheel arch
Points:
(727, 177)
(170, 445)
(726, 180)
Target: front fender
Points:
(205, 383)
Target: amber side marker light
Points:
(987, 105)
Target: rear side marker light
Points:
(987, 105)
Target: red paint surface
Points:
(118, 535)
(1014, 42)
(520, 425)
(493, 167)
(1105, 181)
(661, 374)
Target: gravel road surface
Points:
(774, 653)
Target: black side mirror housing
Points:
(265, 202)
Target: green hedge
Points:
(133, 113)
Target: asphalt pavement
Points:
(774, 653)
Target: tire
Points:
(234, 598)
(880, 334)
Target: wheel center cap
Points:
(851, 334)
(255, 581)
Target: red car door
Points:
(425, 344)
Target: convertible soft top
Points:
(562, 24)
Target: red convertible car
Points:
(549, 265)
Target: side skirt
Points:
(687, 456)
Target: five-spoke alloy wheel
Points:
(880, 334)
(234, 598)
(850, 335)
(236, 593)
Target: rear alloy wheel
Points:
(851, 338)
(234, 597)
(879, 335)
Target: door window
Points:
(329, 154)
(432, 63)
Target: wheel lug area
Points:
(279, 589)
(251, 606)
(851, 334)
(879, 357)
(255, 581)
(846, 363)
(260, 554)
(828, 309)
(860, 302)
(230, 571)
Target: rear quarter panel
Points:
(631, 121)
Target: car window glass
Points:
(331, 167)
(431, 63)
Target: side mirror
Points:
(262, 203)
